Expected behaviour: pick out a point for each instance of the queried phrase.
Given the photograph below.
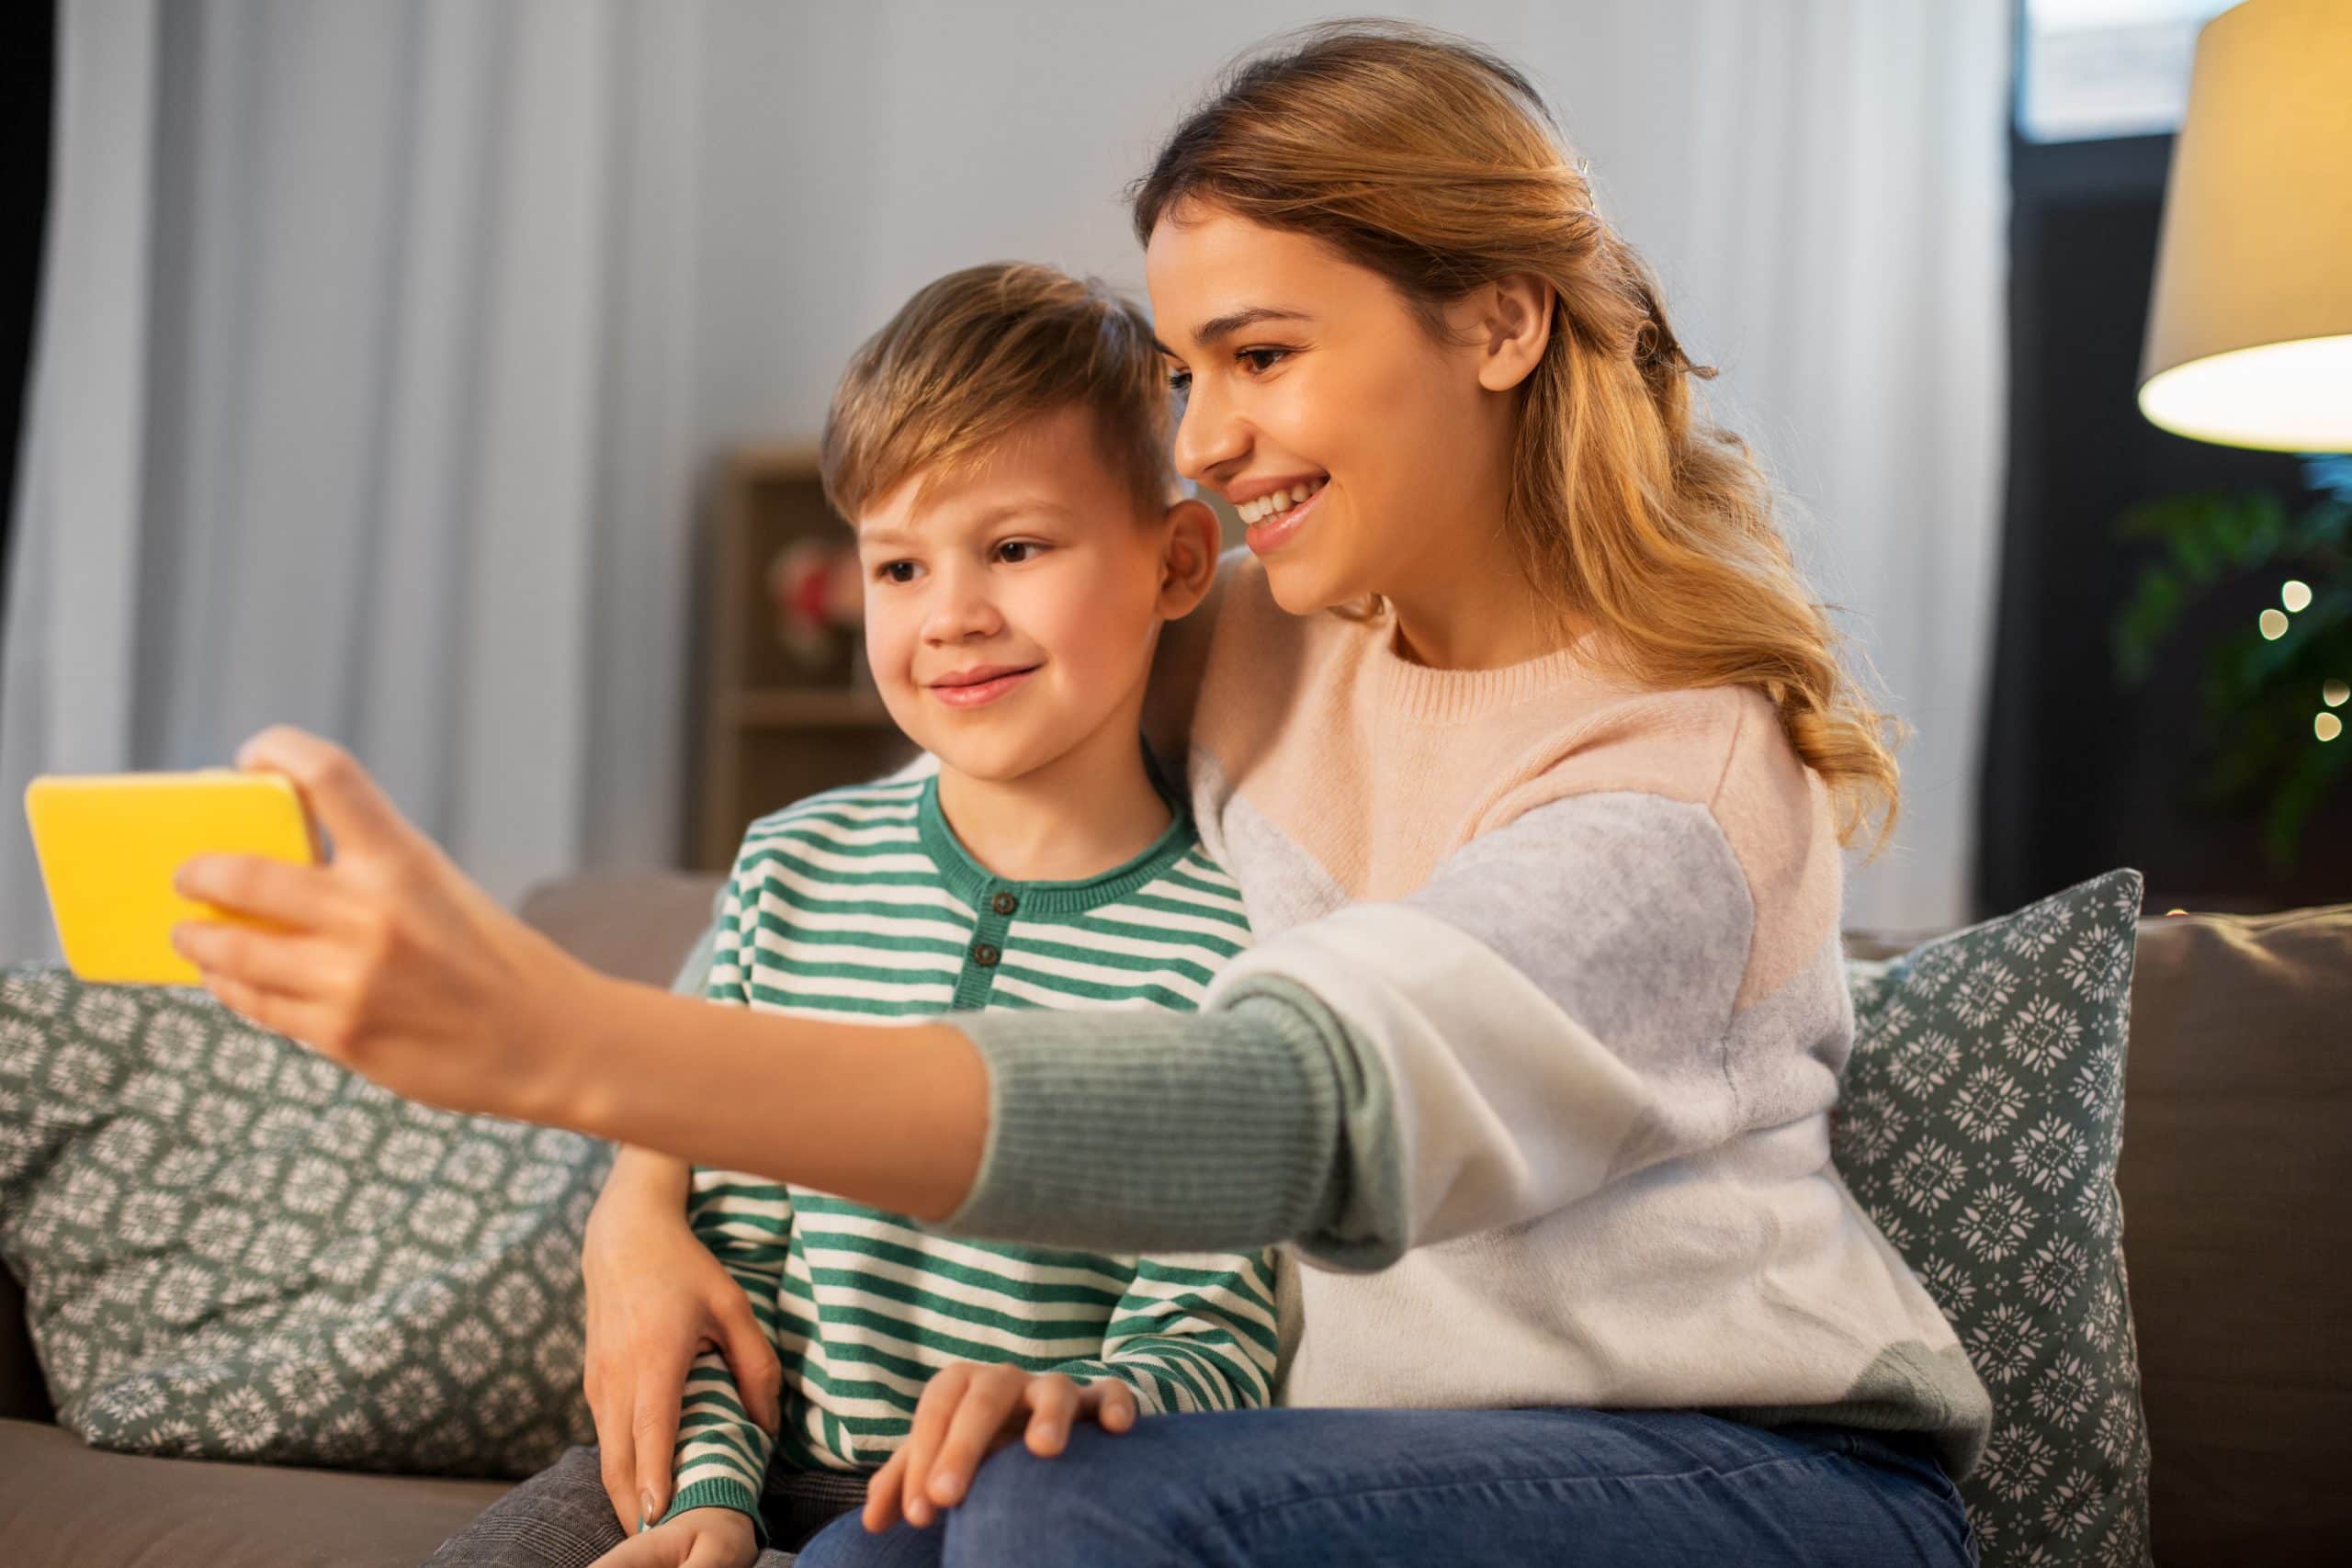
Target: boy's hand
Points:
(968, 1412)
(699, 1537)
(390, 960)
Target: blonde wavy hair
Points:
(1433, 163)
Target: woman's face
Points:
(1304, 373)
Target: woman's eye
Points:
(1180, 382)
(1262, 359)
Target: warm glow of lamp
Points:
(2250, 327)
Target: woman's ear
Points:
(1188, 559)
(1511, 322)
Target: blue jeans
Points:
(1283, 1487)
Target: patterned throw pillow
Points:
(1982, 1114)
(234, 1249)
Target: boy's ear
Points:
(1188, 561)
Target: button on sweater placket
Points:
(994, 911)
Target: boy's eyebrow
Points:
(994, 514)
(1216, 327)
(1027, 504)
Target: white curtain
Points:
(327, 423)
(380, 346)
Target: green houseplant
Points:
(2276, 694)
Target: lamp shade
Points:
(2250, 330)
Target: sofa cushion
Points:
(1979, 1124)
(2235, 1176)
(235, 1248)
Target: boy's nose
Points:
(960, 613)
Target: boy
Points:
(1000, 446)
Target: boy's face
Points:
(1010, 611)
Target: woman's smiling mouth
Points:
(980, 684)
(1276, 517)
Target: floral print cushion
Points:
(1979, 1124)
(233, 1248)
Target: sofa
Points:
(2236, 1178)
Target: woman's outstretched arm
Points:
(1262, 1119)
(901, 1117)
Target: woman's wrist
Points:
(575, 1035)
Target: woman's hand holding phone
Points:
(392, 961)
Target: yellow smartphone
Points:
(110, 843)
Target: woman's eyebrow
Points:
(1210, 332)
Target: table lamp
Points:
(2249, 337)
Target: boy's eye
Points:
(1012, 552)
(899, 572)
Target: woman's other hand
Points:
(656, 1299)
(968, 1412)
(699, 1537)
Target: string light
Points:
(2295, 595)
(2273, 624)
(2334, 693)
(2327, 727)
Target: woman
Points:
(1534, 758)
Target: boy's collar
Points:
(975, 884)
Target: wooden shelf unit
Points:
(773, 730)
(787, 708)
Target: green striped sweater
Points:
(860, 903)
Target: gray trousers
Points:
(562, 1518)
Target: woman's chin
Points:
(1302, 589)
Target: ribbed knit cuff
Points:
(716, 1494)
(1144, 1132)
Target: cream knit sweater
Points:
(1531, 1065)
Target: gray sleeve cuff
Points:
(1256, 1122)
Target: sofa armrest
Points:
(638, 925)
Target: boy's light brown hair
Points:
(980, 352)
